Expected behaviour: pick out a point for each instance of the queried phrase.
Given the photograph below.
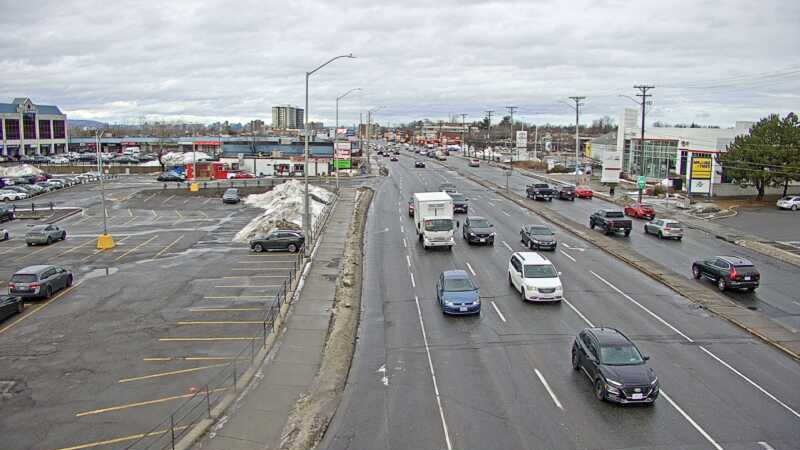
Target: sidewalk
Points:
(256, 419)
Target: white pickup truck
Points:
(433, 216)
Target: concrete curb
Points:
(708, 298)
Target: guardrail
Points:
(199, 404)
(42, 206)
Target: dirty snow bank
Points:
(178, 158)
(283, 208)
(20, 171)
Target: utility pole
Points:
(578, 105)
(464, 149)
(643, 89)
(535, 140)
(488, 133)
(511, 131)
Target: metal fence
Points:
(198, 405)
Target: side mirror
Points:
(646, 357)
(559, 273)
(491, 225)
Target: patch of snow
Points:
(20, 171)
(178, 158)
(283, 208)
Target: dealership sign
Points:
(343, 150)
(522, 139)
(700, 176)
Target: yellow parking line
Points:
(45, 247)
(252, 287)
(40, 307)
(129, 221)
(168, 247)
(170, 373)
(220, 322)
(238, 296)
(168, 199)
(119, 440)
(254, 276)
(243, 338)
(148, 198)
(145, 403)
(223, 309)
(101, 251)
(90, 241)
(83, 220)
(135, 248)
(130, 212)
(179, 214)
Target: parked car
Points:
(566, 193)
(419, 164)
(394, 158)
(610, 221)
(535, 277)
(457, 293)
(474, 162)
(540, 191)
(170, 176)
(789, 202)
(9, 195)
(478, 230)
(6, 214)
(460, 202)
(447, 187)
(39, 281)
(44, 186)
(615, 366)
(4, 235)
(584, 192)
(641, 211)
(411, 206)
(729, 272)
(45, 234)
(664, 228)
(289, 240)
(231, 196)
(539, 237)
(10, 305)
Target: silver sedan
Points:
(45, 234)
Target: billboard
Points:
(612, 160)
(700, 175)
(522, 139)
(343, 150)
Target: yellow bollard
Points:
(105, 242)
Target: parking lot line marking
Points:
(168, 199)
(170, 373)
(189, 339)
(187, 200)
(490, 203)
(408, 260)
(260, 269)
(12, 248)
(44, 247)
(90, 241)
(405, 244)
(168, 246)
(413, 284)
(262, 262)
(40, 307)
(549, 391)
(203, 212)
(83, 220)
(135, 248)
(130, 212)
(194, 358)
(179, 214)
(120, 440)
(260, 286)
(254, 276)
(150, 197)
(508, 246)
(223, 309)
(497, 310)
(128, 221)
(567, 255)
(219, 322)
(471, 270)
(765, 445)
(509, 215)
(207, 200)
(144, 403)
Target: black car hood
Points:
(638, 375)
(543, 238)
(481, 230)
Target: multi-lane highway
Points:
(503, 380)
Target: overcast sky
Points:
(127, 61)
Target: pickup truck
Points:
(610, 221)
(541, 191)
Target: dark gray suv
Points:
(278, 240)
(39, 281)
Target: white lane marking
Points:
(508, 246)
(567, 255)
(549, 391)
(796, 303)
(490, 203)
(654, 315)
(580, 314)
(405, 244)
(573, 248)
(413, 284)
(718, 359)
(509, 215)
(408, 260)
(402, 229)
(691, 421)
(471, 270)
(765, 445)
(753, 383)
(497, 310)
(433, 376)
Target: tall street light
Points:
(104, 241)
(336, 133)
(307, 212)
(369, 126)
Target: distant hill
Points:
(86, 123)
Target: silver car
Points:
(790, 202)
(39, 281)
(664, 228)
(45, 234)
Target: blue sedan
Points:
(457, 293)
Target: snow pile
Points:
(179, 159)
(283, 208)
(20, 171)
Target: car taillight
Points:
(34, 285)
(733, 273)
(12, 285)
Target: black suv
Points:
(459, 202)
(539, 237)
(566, 193)
(6, 214)
(728, 272)
(477, 230)
(278, 240)
(616, 367)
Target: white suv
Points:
(535, 277)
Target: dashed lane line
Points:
(508, 246)
(549, 391)
(471, 270)
(567, 255)
(497, 310)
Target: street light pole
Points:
(306, 199)
(644, 95)
(488, 132)
(511, 132)
(336, 134)
(577, 133)
(104, 241)
(464, 149)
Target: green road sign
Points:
(642, 183)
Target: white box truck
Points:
(433, 216)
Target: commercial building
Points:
(28, 129)
(287, 117)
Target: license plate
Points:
(463, 309)
(483, 240)
(637, 396)
(746, 278)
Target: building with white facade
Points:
(287, 117)
(28, 129)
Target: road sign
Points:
(642, 183)
(522, 139)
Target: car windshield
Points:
(458, 285)
(620, 355)
(568, 188)
(39, 228)
(457, 197)
(540, 231)
(540, 271)
(231, 192)
(673, 225)
(787, 198)
(614, 214)
(479, 223)
(23, 278)
(438, 225)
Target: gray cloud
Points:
(713, 62)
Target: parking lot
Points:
(145, 325)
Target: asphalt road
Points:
(776, 297)
(503, 379)
(146, 324)
(770, 222)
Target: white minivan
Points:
(535, 277)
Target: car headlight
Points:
(477, 301)
(492, 234)
(471, 233)
(654, 382)
(613, 382)
(448, 304)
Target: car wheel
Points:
(660, 235)
(696, 272)
(627, 233)
(292, 248)
(69, 281)
(64, 236)
(510, 283)
(575, 364)
(522, 294)
(29, 244)
(258, 248)
(49, 240)
(491, 242)
(5, 236)
(530, 245)
(48, 292)
(679, 238)
(600, 389)
(721, 284)
(591, 225)
(794, 207)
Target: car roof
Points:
(607, 336)
(736, 261)
(39, 227)
(456, 273)
(532, 258)
(30, 270)
(471, 218)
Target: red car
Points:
(240, 175)
(583, 192)
(641, 211)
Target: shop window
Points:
(59, 131)
(29, 126)
(44, 129)
(12, 129)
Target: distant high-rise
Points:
(287, 117)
